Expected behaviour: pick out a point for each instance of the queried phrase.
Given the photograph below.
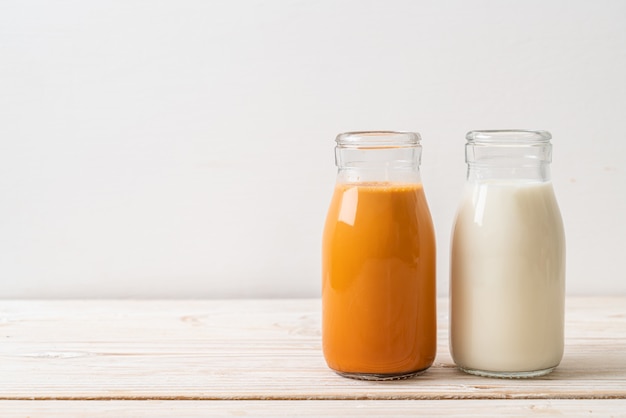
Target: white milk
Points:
(507, 278)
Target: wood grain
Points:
(261, 350)
(330, 409)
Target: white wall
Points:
(185, 148)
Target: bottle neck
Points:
(522, 173)
(378, 157)
(508, 162)
(393, 164)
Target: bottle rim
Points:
(509, 136)
(378, 139)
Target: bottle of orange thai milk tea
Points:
(507, 273)
(378, 260)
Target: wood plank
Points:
(261, 350)
(332, 409)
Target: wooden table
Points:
(263, 358)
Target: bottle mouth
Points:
(378, 139)
(508, 137)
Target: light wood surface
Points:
(264, 357)
(319, 408)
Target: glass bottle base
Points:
(508, 375)
(380, 376)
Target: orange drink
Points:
(378, 281)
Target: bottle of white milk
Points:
(507, 279)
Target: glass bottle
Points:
(507, 272)
(378, 260)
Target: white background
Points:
(185, 148)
